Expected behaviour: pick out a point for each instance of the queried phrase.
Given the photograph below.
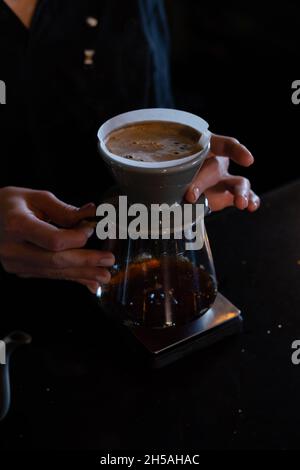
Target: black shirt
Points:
(56, 102)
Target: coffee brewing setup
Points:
(162, 293)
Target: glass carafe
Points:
(159, 283)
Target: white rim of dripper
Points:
(154, 114)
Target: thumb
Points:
(65, 215)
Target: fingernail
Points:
(196, 194)
(250, 157)
(104, 278)
(93, 288)
(107, 261)
(245, 201)
(89, 231)
(87, 206)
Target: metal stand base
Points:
(167, 345)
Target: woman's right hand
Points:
(42, 237)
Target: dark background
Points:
(76, 387)
(234, 64)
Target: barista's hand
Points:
(220, 187)
(32, 244)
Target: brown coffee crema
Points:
(154, 141)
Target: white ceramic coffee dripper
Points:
(155, 182)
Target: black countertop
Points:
(78, 387)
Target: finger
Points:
(240, 188)
(229, 147)
(40, 233)
(208, 176)
(254, 202)
(219, 197)
(82, 258)
(33, 256)
(99, 275)
(91, 285)
(60, 213)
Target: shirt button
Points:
(89, 56)
(92, 22)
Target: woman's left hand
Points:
(220, 187)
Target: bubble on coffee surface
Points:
(154, 141)
(130, 157)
